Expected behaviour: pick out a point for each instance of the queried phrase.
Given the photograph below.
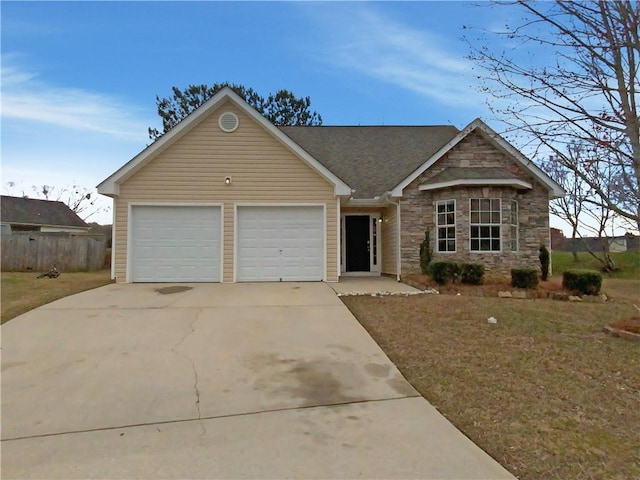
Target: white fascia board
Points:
(364, 202)
(555, 191)
(515, 183)
(110, 185)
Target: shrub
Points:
(425, 252)
(586, 282)
(544, 262)
(472, 273)
(445, 271)
(524, 277)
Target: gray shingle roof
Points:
(372, 160)
(29, 211)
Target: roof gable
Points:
(30, 211)
(110, 186)
(498, 142)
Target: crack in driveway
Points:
(192, 330)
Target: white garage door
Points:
(175, 244)
(280, 244)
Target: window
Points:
(446, 225)
(514, 225)
(484, 229)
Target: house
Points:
(626, 243)
(226, 196)
(34, 215)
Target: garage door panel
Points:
(280, 243)
(176, 244)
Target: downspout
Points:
(399, 265)
(113, 242)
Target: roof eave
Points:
(503, 182)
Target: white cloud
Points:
(26, 97)
(414, 59)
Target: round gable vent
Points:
(228, 121)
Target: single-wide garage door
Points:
(175, 244)
(280, 244)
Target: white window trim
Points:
(455, 222)
(485, 225)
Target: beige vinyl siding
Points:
(193, 169)
(390, 240)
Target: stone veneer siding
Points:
(418, 212)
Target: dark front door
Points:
(357, 243)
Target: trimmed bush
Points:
(524, 277)
(472, 273)
(545, 260)
(425, 252)
(586, 282)
(445, 271)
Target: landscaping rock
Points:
(519, 294)
(505, 294)
(564, 296)
(385, 293)
(595, 298)
(574, 298)
(492, 320)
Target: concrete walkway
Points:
(363, 285)
(215, 381)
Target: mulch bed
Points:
(489, 288)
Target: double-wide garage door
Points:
(184, 243)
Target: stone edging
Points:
(431, 291)
(616, 332)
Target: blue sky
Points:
(79, 79)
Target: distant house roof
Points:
(371, 159)
(30, 211)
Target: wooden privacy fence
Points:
(39, 251)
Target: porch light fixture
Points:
(227, 180)
(380, 220)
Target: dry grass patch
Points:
(23, 291)
(544, 391)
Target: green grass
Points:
(24, 291)
(627, 262)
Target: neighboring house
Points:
(33, 215)
(227, 196)
(625, 243)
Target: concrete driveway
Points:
(213, 381)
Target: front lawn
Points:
(23, 291)
(544, 391)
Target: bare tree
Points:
(568, 74)
(582, 216)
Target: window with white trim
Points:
(484, 225)
(446, 225)
(514, 225)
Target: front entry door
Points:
(357, 243)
